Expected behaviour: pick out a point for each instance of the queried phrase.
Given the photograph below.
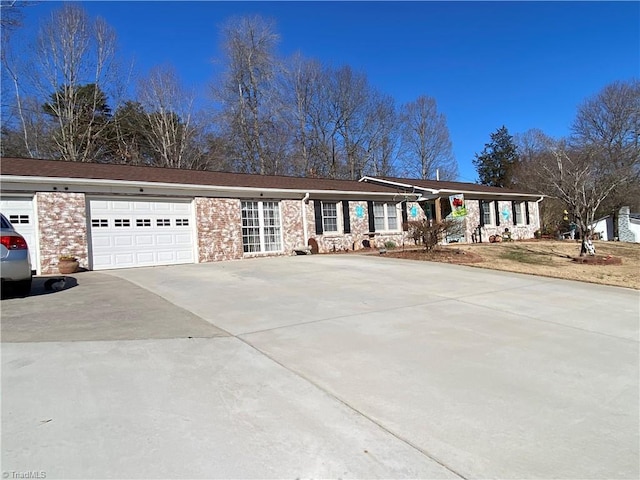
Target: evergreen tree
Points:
(496, 163)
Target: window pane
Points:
(272, 229)
(486, 210)
(330, 216)
(250, 227)
(518, 213)
(392, 216)
(378, 216)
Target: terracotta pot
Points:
(68, 266)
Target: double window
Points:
(385, 216)
(261, 227)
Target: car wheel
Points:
(23, 288)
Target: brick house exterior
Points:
(148, 214)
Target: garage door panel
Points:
(122, 241)
(144, 240)
(164, 240)
(184, 257)
(145, 258)
(123, 259)
(140, 233)
(98, 206)
(166, 257)
(102, 241)
(182, 239)
(119, 206)
(21, 213)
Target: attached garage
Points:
(20, 212)
(134, 233)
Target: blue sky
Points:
(519, 64)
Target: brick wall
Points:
(359, 221)
(505, 210)
(62, 225)
(292, 227)
(219, 229)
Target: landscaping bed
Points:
(616, 263)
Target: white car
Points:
(15, 261)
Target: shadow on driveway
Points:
(95, 306)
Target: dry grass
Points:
(546, 258)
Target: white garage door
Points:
(136, 233)
(20, 212)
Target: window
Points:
(182, 222)
(517, 213)
(520, 213)
(385, 216)
(261, 227)
(19, 219)
(99, 222)
(122, 222)
(330, 217)
(143, 222)
(485, 211)
(163, 222)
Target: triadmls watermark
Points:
(39, 474)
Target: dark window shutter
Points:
(526, 212)
(513, 211)
(372, 220)
(481, 212)
(345, 216)
(317, 210)
(405, 217)
(497, 208)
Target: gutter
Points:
(257, 191)
(447, 191)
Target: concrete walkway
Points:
(322, 366)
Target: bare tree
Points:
(301, 83)
(73, 68)
(426, 145)
(170, 127)
(11, 15)
(608, 125)
(383, 136)
(247, 92)
(578, 178)
(350, 101)
(23, 122)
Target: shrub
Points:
(432, 233)
(389, 245)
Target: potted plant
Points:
(67, 264)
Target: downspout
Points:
(538, 213)
(305, 228)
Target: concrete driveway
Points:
(336, 366)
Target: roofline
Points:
(448, 190)
(186, 186)
(395, 184)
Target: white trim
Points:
(261, 226)
(385, 209)
(34, 183)
(339, 219)
(434, 191)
